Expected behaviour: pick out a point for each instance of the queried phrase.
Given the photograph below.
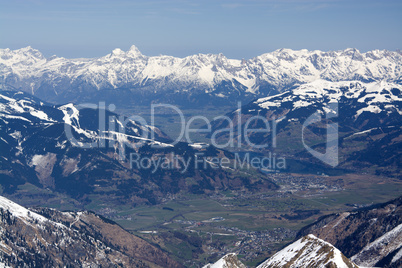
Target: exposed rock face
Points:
(44, 167)
(388, 245)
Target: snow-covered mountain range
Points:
(208, 76)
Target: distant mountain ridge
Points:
(193, 79)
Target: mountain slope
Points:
(371, 236)
(37, 148)
(307, 252)
(369, 116)
(49, 238)
(389, 245)
(201, 78)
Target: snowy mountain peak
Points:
(228, 261)
(307, 252)
(29, 51)
(27, 48)
(134, 51)
(351, 50)
(118, 52)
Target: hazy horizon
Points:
(127, 49)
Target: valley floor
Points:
(199, 229)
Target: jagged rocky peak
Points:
(307, 252)
(134, 51)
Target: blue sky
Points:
(238, 29)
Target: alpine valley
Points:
(47, 237)
(86, 181)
